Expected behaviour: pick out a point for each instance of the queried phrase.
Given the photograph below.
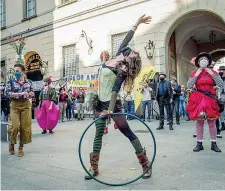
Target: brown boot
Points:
(21, 153)
(11, 149)
(94, 158)
(143, 160)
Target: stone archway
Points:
(186, 9)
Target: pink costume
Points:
(201, 106)
(47, 118)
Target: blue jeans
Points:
(147, 104)
(176, 106)
(73, 108)
(183, 108)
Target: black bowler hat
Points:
(162, 74)
(222, 68)
(203, 54)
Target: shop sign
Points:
(33, 63)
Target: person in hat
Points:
(164, 97)
(20, 90)
(122, 69)
(47, 113)
(202, 103)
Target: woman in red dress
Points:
(202, 103)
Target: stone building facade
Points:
(180, 29)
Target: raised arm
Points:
(130, 34)
(116, 88)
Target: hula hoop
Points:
(128, 182)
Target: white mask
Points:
(204, 63)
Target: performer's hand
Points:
(105, 112)
(50, 108)
(31, 94)
(193, 60)
(199, 71)
(144, 19)
(209, 71)
(171, 100)
(25, 94)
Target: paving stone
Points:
(52, 161)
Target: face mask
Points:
(162, 79)
(2, 87)
(203, 63)
(18, 75)
(221, 74)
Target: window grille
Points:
(117, 39)
(70, 61)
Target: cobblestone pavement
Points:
(52, 162)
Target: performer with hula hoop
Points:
(112, 74)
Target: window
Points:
(2, 13)
(117, 39)
(29, 8)
(70, 60)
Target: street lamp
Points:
(89, 42)
(149, 49)
(212, 37)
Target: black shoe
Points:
(62, 120)
(143, 119)
(219, 136)
(160, 127)
(188, 120)
(223, 126)
(51, 132)
(178, 121)
(82, 119)
(194, 135)
(214, 147)
(198, 147)
(44, 132)
(78, 119)
(171, 127)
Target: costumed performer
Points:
(202, 102)
(122, 69)
(20, 90)
(47, 113)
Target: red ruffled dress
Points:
(199, 102)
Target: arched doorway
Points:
(198, 32)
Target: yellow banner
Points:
(147, 73)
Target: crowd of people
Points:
(203, 99)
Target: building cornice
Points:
(114, 6)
